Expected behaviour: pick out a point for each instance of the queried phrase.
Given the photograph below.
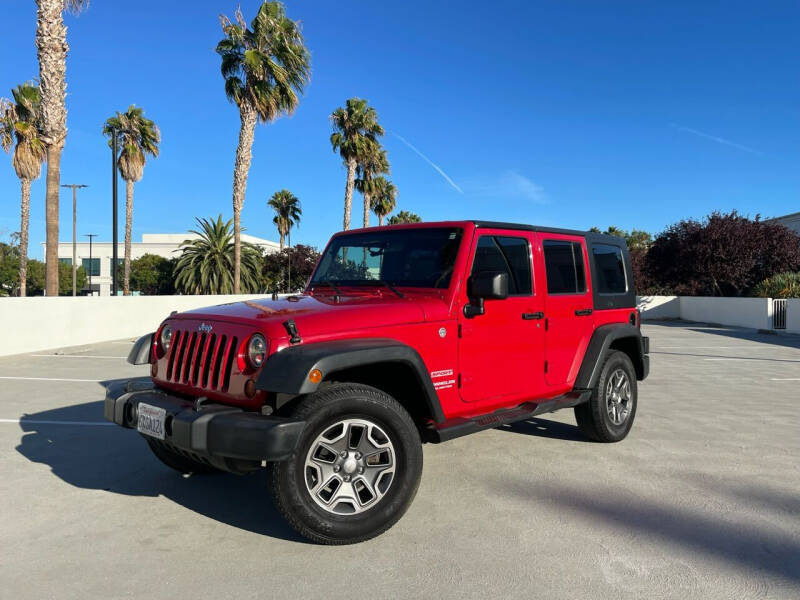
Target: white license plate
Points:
(151, 420)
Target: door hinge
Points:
(546, 324)
(459, 381)
(459, 334)
(545, 366)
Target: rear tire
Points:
(180, 463)
(356, 468)
(609, 414)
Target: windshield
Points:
(402, 257)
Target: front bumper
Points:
(224, 436)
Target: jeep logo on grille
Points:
(205, 328)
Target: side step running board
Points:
(464, 426)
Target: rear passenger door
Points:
(568, 305)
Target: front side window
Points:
(510, 255)
(564, 265)
(421, 257)
(610, 269)
(92, 266)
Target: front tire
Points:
(609, 414)
(356, 468)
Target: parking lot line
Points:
(49, 379)
(785, 379)
(36, 422)
(77, 356)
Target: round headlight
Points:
(257, 350)
(166, 337)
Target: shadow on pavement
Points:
(746, 335)
(546, 429)
(737, 541)
(118, 461)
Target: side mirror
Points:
(486, 285)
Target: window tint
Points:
(564, 264)
(510, 255)
(610, 269)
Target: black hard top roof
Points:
(538, 228)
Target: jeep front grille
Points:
(200, 359)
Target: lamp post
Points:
(74, 187)
(91, 236)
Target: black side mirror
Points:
(485, 285)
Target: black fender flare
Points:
(287, 371)
(598, 347)
(140, 353)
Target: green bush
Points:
(782, 285)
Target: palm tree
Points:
(20, 123)
(287, 212)
(404, 217)
(384, 198)
(206, 264)
(138, 137)
(373, 162)
(52, 48)
(264, 68)
(355, 130)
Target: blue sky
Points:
(562, 113)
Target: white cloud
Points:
(514, 183)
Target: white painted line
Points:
(78, 356)
(126, 343)
(50, 379)
(785, 379)
(35, 422)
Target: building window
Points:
(92, 266)
(65, 261)
(610, 269)
(564, 264)
(120, 262)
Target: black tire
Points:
(180, 463)
(593, 417)
(322, 411)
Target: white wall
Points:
(40, 323)
(793, 315)
(659, 307)
(755, 313)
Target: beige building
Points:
(160, 244)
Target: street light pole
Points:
(74, 187)
(91, 236)
(114, 212)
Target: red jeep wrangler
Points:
(406, 334)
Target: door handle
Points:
(583, 313)
(533, 316)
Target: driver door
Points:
(501, 352)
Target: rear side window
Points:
(510, 255)
(564, 265)
(610, 269)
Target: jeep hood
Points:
(320, 315)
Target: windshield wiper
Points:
(388, 285)
(329, 284)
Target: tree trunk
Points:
(23, 236)
(241, 168)
(380, 220)
(367, 206)
(348, 191)
(51, 216)
(51, 47)
(282, 239)
(126, 269)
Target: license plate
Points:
(151, 420)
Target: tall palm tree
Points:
(206, 264)
(355, 130)
(264, 67)
(373, 162)
(138, 136)
(384, 198)
(404, 216)
(20, 122)
(287, 212)
(52, 48)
